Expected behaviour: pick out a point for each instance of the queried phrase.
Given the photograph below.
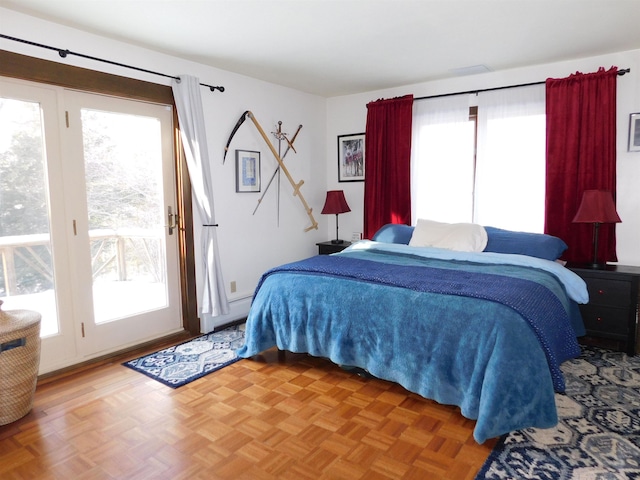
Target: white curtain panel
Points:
(442, 160)
(510, 169)
(186, 92)
(505, 187)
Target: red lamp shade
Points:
(335, 203)
(596, 207)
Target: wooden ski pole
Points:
(296, 186)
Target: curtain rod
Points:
(620, 73)
(63, 53)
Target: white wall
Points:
(249, 244)
(348, 114)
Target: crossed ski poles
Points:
(281, 165)
(279, 136)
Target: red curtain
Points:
(387, 184)
(581, 155)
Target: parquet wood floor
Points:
(277, 416)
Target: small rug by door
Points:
(178, 365)
(598, 433)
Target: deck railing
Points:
(142, 243)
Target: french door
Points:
(87, 182)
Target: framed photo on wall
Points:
(247, 171)
(634, 132)
(351, 160)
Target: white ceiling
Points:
(338, 47)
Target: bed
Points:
(484, 328)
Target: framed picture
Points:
(351, 157)
(247, 171)
(634, 132)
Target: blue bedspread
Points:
(458, 332)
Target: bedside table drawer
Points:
(604, 291)
(605, 320)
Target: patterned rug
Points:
(178, 365)
(598, 435)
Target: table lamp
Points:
(335, 203)
(596, 207)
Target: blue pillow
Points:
(537, 245)
(394, 233)
(499, 240)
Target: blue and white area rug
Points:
(598, 435)
(178, 365)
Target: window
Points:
(483, 163)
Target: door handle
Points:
(172, 220)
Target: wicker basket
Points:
(19, 362)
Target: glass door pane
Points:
(125, 205)
(126, 288)
(26, 271)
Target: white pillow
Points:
(463, 237)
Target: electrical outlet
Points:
(233, 287)
(356, 236)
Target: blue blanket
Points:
(440, 332)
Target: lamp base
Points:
(596, 266)
(337, 241)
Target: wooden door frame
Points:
(34, 69)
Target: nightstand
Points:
(327, 248)
(612, 312)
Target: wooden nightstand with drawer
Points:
(612, 311)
